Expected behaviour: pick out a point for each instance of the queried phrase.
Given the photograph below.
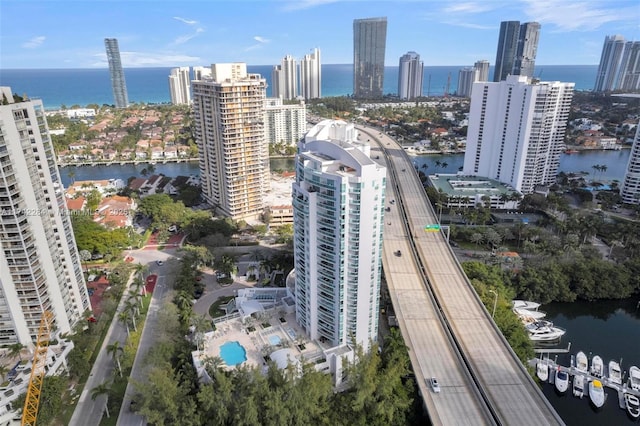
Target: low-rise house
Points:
(115, 212)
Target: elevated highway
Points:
(450, 334)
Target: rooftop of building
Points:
(467, 186)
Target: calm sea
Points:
(150, 85)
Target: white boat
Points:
(528, 316)
(578, 385)
(542, 370)
(562, 381)
(525, 304)
(597, 366)
(582, 362)
(634, 378)
(596, 393)
(544, 331)
(615, 373)
(633, 405)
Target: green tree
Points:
(115, 349)
(102, 389)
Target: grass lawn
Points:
(214, 310)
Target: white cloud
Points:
(147, 59)
(579, 16)
(34, 42)
(185, 38)
(261, 42)
(186, 21)
(306, 4)
(458, 23)
(468, 7)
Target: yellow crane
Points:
(30, 411)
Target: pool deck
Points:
(257, 343)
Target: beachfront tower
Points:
(338, 204)
(116, 72)
(410, 76)
(228, 109)
(311, 75)
(369, 43)
(180, 86)
(482, 67)
(40, 267)
(284, 79)
(631, 187)
(516, 131)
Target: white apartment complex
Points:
(284, 79)
(284, 123)
(228, 112)
(39, 263)
(410, 76)
(201, 72)
(516, 131)
(311, 75)
(180, 86)
(338, 202)
(466, 77)
(619, 67)
(631, 187)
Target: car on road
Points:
(398, 253)
(159, 262)
(435, 386)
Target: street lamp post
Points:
(495, 303)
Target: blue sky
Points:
(70, 34)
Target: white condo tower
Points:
(516, 131)
(338, 201)
(40, 268)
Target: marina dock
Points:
(588, 377)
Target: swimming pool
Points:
(274, 340)
(232, 353)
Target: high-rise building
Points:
(311, 75)
(201, 72)
(525, 60)
(482, 67)
(516, 131)
(40, 267)
(631, 186)
(507, 49)
(284, 123)
(284, 79)
(338, 203)
(369, 43)
(228, 110)
(629, 75)
(410, 76)
(610, 60)
(466, 78)
(180, 86)
(517, 47)
(116, 72)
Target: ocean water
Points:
(69, 87)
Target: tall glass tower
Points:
(507, 48)
(116, 72)
(369, 43)
(527, 49)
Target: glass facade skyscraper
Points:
(116, 72)
(369, 44)
(517, 48)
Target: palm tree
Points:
(125, 317)
(71, 174)
(16, 349)
(477, 238)
(85, 256)
(138, 285)
(102, 389)
(115, 349)
(140, 269)
(132, 308)
(3, 371)
(135, 296)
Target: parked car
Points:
(398, 253)
(159, 262)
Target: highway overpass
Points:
(449, 332)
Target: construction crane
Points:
(30, 411)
